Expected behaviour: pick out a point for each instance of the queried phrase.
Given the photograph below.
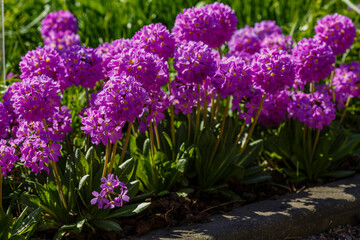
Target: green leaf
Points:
(83, 181)
(126, 168)
(340, 173)
(108, 225)
(133, 188)
(181, 164)
(256, 179)
(128, 210)
(31, 219)
(184, 192)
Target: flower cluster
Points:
(35, 98)
(337, 31)
(316, 109)
(346, 82)
(42, 61)
(59, 30)
(108, 187)
(122, 99)
(266, 28)
(148, 69)
(274, 109)
(274, 70)
(7, 157)
(244, 42)
(212, 24)
(82, 67)
(194, 62)
(184, 97)
(4, 121)
(155, 38)
(313, 59)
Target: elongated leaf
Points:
(129, 210)
(108, 225)
(31, 219)
(83, 181)
(256, 179)
(126, 168)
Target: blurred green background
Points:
(105, 20)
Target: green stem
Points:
(126, 143)
(253, 125)
(212, 110)
(189, 127)
(1, 205)
(220, 52)
(87, 144)
(156, 134)
(315, 143)
(221, 130)
(197, 123)
(172, 124)
(345, 110)
(205, 109)
(112, 159)
(240, 133)
(108, 150)
(151, 139)
(57, 180)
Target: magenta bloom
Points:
(62, 41)
(109, 183)
(316, 109)
(346, 82)
(194, 62)
(156, 39)
(184, 96)
(274, 109)
(233, 76)
(313, 59)
(245, 41)
(82, 66)
(337, 31)
(59, 21)
(148, 69)
(266, 28)
(99, 199)
(53, 151)
(36, 98)
(212, 24)
(42, 61)
(7, 157)
(4, 121)
(277, 41)
(273, 70)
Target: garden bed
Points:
(295, 215)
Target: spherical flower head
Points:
(124, 97)
(156, 39)
(82, 67)
(316, 109)
(184, 96)
(224, 24)
(101, 126)
(8, 101)
(7, 157)
(36, 98)
(108, 51)
(42, 61)
(147, 68)
(58, 21)
(337, 31)
(313, 60)
(277, 41)
(4, 121)
(346, 82)
(274, 109)
(265, 28)
(62, 41)
(233, 75)
(194, 62)
(273, 70)
(247, 104)
(244, 41)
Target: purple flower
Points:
(4, 121)
(212, 24)
(42, 61)
(245, 41)
(53, 151)
(99, 199)
(59, 22)
(273, 70)
(109, 183)
(82, 67)
(274, 109)
(313, 59)
(36, 98)
(148, 69)
(233, 75)
(346, 82)
(156, 39)
(266, 28)
(62, 41)
(316, 109)
(247, 104)
(184, 96)
(337, 31)
(7, 157)
(277, 41)
(194, 62)
(122, 197)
